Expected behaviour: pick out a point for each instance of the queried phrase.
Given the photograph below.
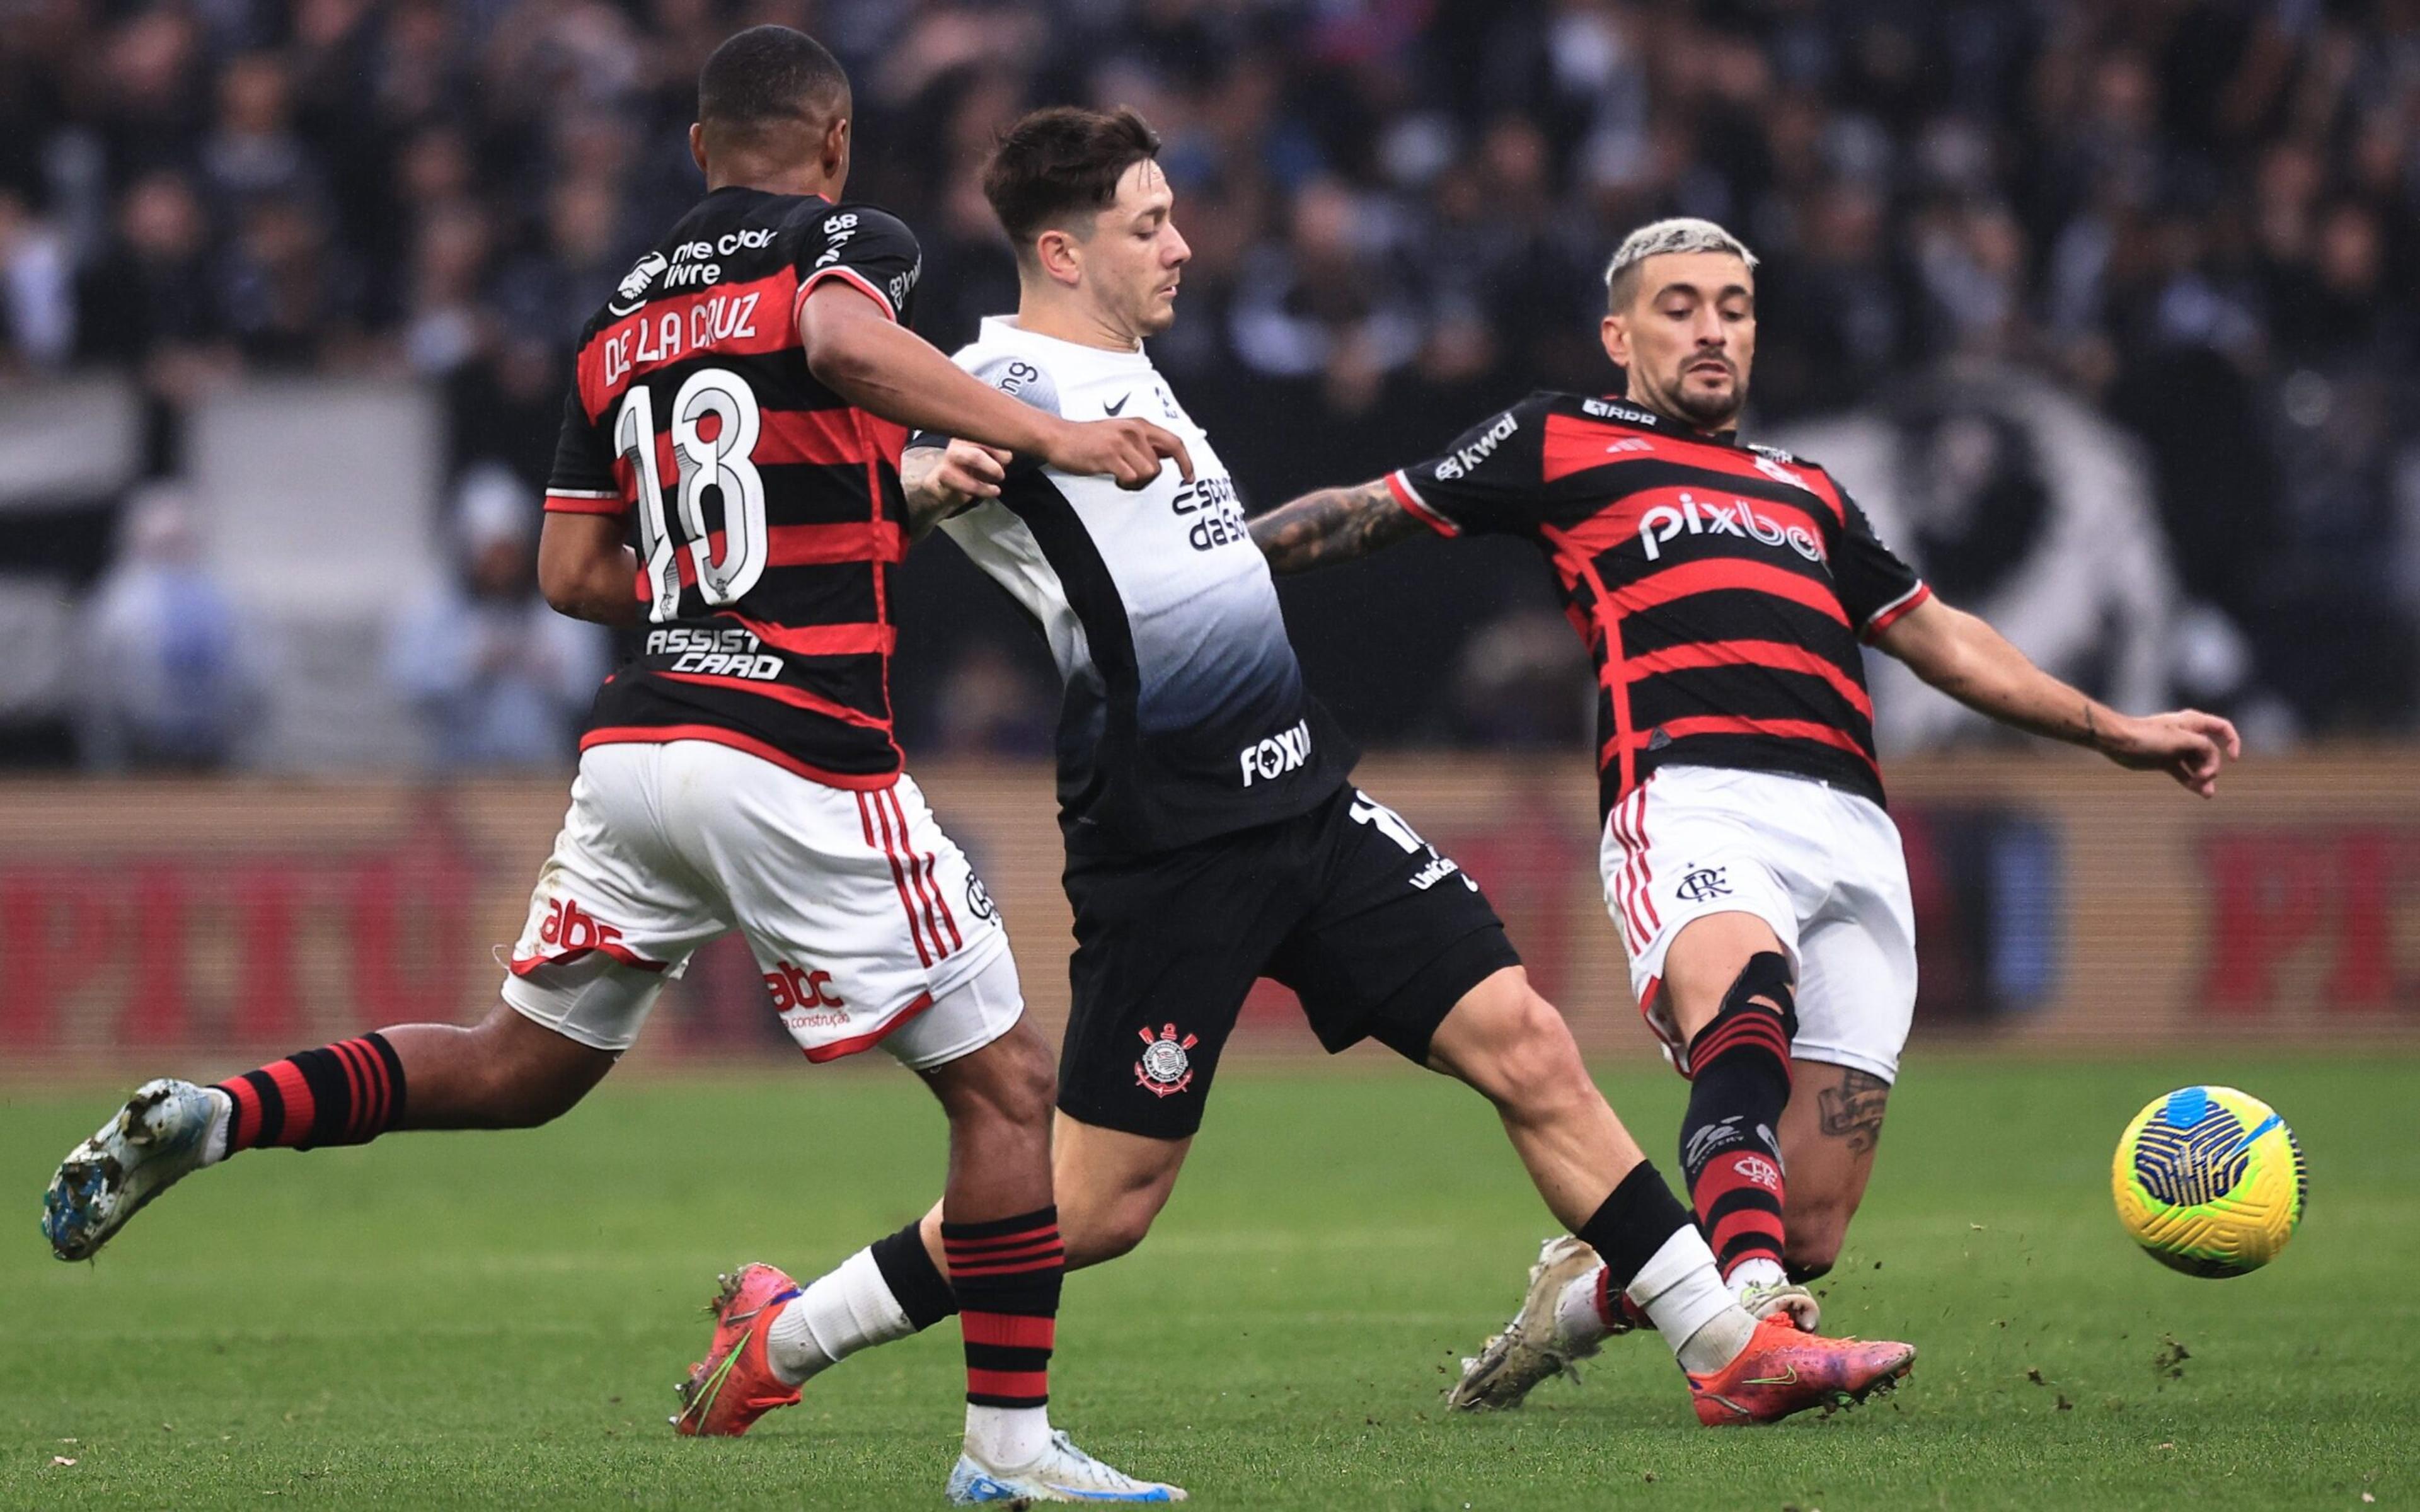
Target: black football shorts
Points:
(1376, 932)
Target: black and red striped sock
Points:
(1739, 1071)
(347, 1093)
(1006, 1274)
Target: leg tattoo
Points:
(1854, 1110)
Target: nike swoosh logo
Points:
(1788, 1378)
(1113, 409)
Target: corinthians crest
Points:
(1165, 1069)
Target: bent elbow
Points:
(834, 367)
(566, 591)
(837, 356)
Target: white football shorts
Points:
(1821, 867)
(865, 918)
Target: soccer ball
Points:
(2209, 1182)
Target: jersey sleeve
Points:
(583, 481)
(1021, 378)
(870, 250)
(1875, 586)
(1488, 481)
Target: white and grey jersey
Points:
(1185, 715)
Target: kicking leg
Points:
(1510, 1044)
(505, 1072)
(1515, 1048)
(1828, 1137)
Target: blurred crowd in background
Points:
(2107, 308)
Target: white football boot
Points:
(146, 1147)
(1532, 1347)
(1064, 1473)
(1790, 1300)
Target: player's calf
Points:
(1815, 1233)
(1829, 1135)
(1114, 1184)
(1510, 1044)
(1739, 1069)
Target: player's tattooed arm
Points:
(1332, 525)
(939, 482)
(1852, 1111)
(1965, 657)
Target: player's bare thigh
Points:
(1703, 962)
(1109, 1186)
(1829, 1133)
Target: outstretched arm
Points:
(1332, 525)
(1967, 659)
(859, 352)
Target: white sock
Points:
(1577, 1319)
(1007, 1438)
(1755, 1272)
(222, 1129)
(846, 1309)
(1684, 1296)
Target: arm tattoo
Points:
(1854, 1110)
(1332, 525)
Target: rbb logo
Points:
(570, 927)
(792, 988)
(1769, 460)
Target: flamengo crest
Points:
(1165, 1070)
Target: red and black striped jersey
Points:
(1723, 588)
(768, 514)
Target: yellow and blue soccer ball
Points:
(2209, 1182)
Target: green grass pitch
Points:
(497, 1320)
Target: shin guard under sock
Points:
(1006, 1273)
(1739, 1071)
(347, 1093)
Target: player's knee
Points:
(529, 1075)
(526, 1093)
(1029, 1087)
(1114, 1231)
(1011, 1082)
(1024, 1078)
(1531, 1060)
